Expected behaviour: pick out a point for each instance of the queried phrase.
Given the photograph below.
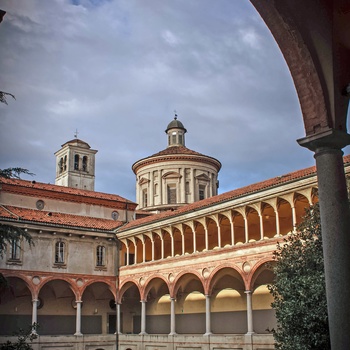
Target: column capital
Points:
(331, 138)
(248, 292)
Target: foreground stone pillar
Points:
(207, 315)
(143, 317)
(118, 318)
(249, 312)
(172, 317)
(78, 319)
(34, 314)
(335, 224)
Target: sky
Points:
(116, 70)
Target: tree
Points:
(14, 173)
(22, 339)
(10, 233)
(299, 288)
(3, 95)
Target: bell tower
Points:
(75, 165)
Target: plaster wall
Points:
(80, 255)
(187, 172)
(53, 205)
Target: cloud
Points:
(116, 71)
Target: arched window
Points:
(65, 163)
(100, 255)
(59, 252)
(76, 162)
(85, 163)
(60, 166)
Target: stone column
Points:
(118, 319)
(78, 319)
(207, 316)
(151, 188)
(172, 317)
(219, 234)
(232, 231)
(183, 186)
(194, 240)
(294, 216)
(261, 226)
(34, 314)
(127, 255)
(172, 243)
(335, 224)
(249, 312)
(135, 252)
(246, 229)
(143, 317)
(206, 236)
(152, 240)
(277, 222)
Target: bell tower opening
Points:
(75, 165)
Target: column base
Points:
(207, 334)
(172, 333)
(143, 333)
(78, 334)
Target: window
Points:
(155, 189)
(15, 250)
(173, 137)
(201, 192)
(100, 255)
(85, 163)
(187, 187)
(60, 166)
(180, 139)
(65, 163)
(171, 195)
(144, 198)
(59, 252)
(76, 162)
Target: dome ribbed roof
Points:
(175, 124)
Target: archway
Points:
(16, 307)
(58, 314)
(98, 313)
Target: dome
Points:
(175, 124)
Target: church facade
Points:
(174, 271)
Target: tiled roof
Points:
(243, 191)
(54, 191)
(176, 153)
(56, 219)
(177, 150)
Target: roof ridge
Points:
(10, 212)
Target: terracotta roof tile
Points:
(175, 153)
(279, 180)
(50, 190)
(57, 219)
(177, 150)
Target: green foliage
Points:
(299, 289)
(10, 233)
(22, 339)
(14, 173)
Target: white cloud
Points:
(170, 38)
(116, 70)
